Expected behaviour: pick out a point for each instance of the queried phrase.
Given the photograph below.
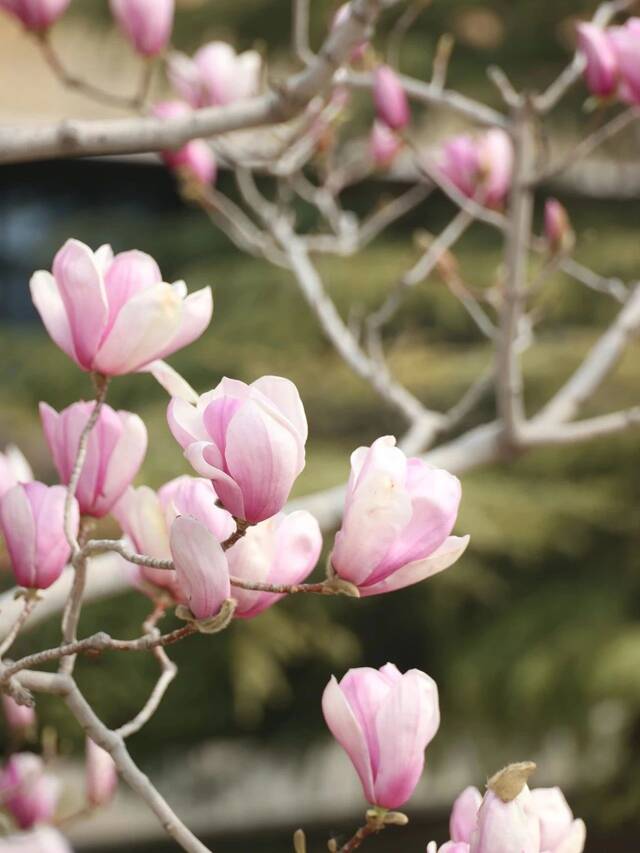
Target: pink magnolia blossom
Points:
(557, 227)
(358, 53)
(36, 14)
(480, 167)
(32, 521)
(101, 775)
(43, 839)
(533, 821)
(625, 43)
(464, 815)
(601, 70)
(503, 827)
(248, 439)
(115, 315)
(146, 23)
(28, 792)
(384, 720)
(195, 157)
(14, 469)
(202, 572)
(383, 145)
(282, 550)
(397, 519)
(216, 76)
(115, 450)
(146, 518)
(20, 718)
(392, 105)
(559, 831)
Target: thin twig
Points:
(603, 134)
(509, 386)
(168, 671)
(65, 687)
(96, 93)
(300, 32)
(30, 602)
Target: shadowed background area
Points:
(534, 637)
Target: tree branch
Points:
(78, 138)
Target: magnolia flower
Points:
(511, 817)
(146, 518)
(202, 572)
(115, 450)
(14, 469)
(282, 550)
(625, 43)
(32, 521)
(464, 815)
(44, 839)
(101, 775)
(480, 167)
(216, 76)
(196, 158)
(384, 721)
(557, 227)
(383, 145)
(146, 23)
(20, 718)
(601, 69)
(36, 14)
(28, 792)
(248, 439)
(397, 519)
(559, 831)
(115, 315)
(390, 98)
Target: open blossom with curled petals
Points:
(28, 792)
(559, 831)
(397, 519)
(480, 167)
(115, 315)
(146, 23)
(14, 468)
(282, 550)
(384, 721)
(19, 718)
(102, 775)
(383, 145)
(146, 518)
(36, 14)
(196, 157)
(115, 451)
(32, 522)
(202, 572)
(625, 42)
(390, 98)
(216, 76)
(43, 839)
(601, 69)
(249, 439)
